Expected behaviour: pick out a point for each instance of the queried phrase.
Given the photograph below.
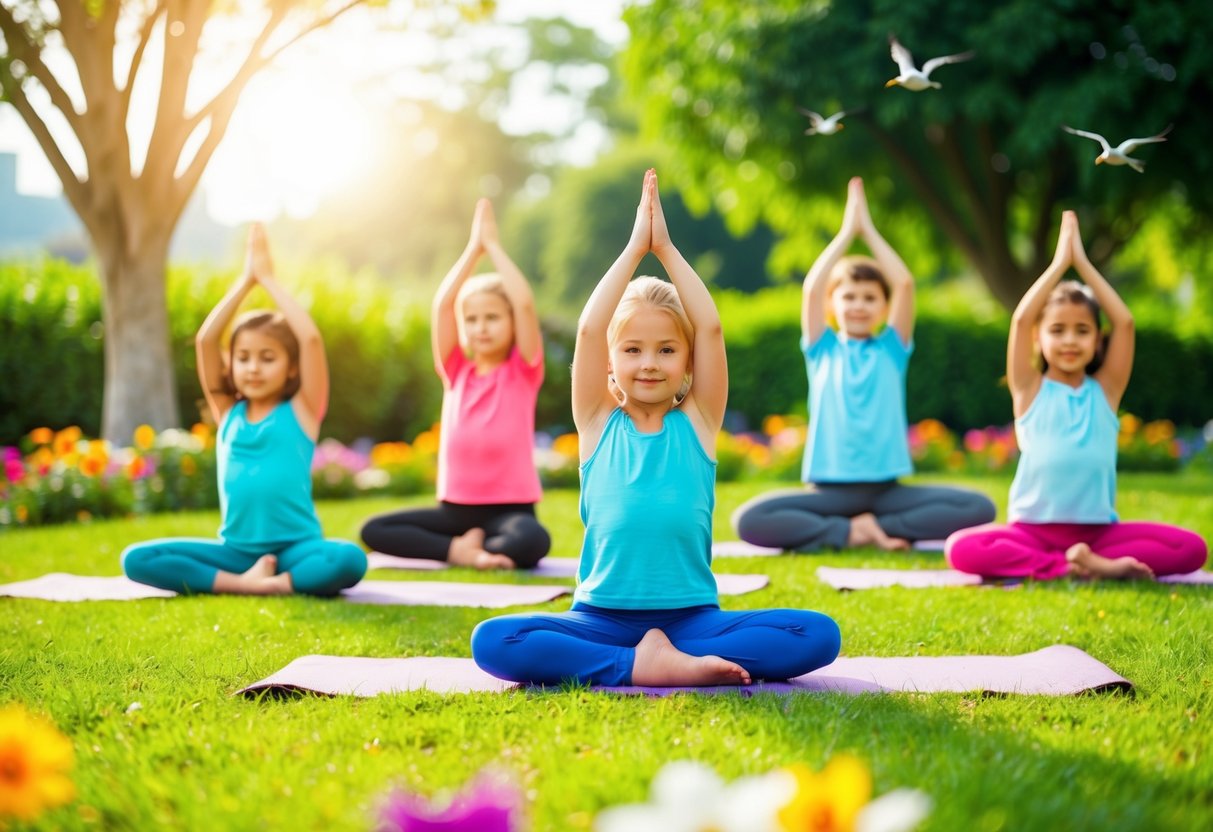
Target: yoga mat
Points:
(60, 586)
(450, 594)
(561, 568)
(852, 579)
(1059, 670)
(741, 549)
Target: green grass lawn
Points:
(195, 757)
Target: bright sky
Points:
(305, 124)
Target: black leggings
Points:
(510, 529)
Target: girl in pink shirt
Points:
(488, 351)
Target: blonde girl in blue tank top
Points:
(1063, 498)
(268, 399)
(650, 383)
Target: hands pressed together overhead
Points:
(650, 232)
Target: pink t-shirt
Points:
(488, 431)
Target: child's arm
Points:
(709, 365)
(312, 400)
(813, 300)
(1113, 374)
(208, 349)
(592, 399)
(444, 331)
(1022, 377)
(526, 322)
(901, 282)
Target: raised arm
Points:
(710, 370)
(444, 331)
(212, 372)
(312, 400)
(901, 282)
(1113, 374)
(526, 322)
(1022, 377)
(813, 299)
(592, 399)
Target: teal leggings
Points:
(186, 564)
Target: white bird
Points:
(912, 78)
(1119, 155)
(821, 126)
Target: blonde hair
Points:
(489, 283)
(857, 268)
(653, 293)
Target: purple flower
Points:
(490, 803)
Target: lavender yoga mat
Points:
(450, 594)
(61, 586)
(851, 579)
(741, 549)
(726, 584)
(1059, 670)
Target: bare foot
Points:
(1084, 563)
(658, 662)
(865, 531)
(468, 550)
(262, 578)
(490, 560)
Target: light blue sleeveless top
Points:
(857, 408)
(1067, 462)
(646, 501)
(265, 480)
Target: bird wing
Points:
(814, 118)
(935, 63)
(901, 56)
(1085, 134)
(1129, 145)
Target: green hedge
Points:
(384, 387)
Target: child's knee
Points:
(350, 562)
(134, 560)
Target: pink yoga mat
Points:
(851, 579)
(60, 586)
(450, 594)
(1059, 670)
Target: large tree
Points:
(983, 160)
(130, 199)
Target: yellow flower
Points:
(1161, 431)
(91, 465)
(204, 434)
(427, 441)
(145, 437)
(387, 454)
(828, 801)
(34, 761)
(41, 436)
(566, 445)
(772, 425)
(188, 466)
(1129, 424)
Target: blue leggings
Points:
(186, 564)
(597, 646)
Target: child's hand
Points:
(485, 224)
(1064, 255)
(1078, 252)
(257, 262)
(642, 230)
(661, 231)
(855, 217)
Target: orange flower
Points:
(204, 434)
(136, 468)
(66, 439)
(188, 466)
(567, 444)
(41, 436)
(1129, 424)
(773, 425)
(828, 801)
(387, 454)
(145, 437)
(91, 465)
(1160, 431)
(427, 441)
(41, 459)
(34, 761)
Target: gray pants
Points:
(819, 516)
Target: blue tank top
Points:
(1067, 462)
(857, 408)
(646, 502)
(265, 480)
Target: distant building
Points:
(32, 225)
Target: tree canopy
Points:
(982, 162)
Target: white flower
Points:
(898, 811)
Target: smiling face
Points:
(859, 306)
(262, 368)
(1068, 338)
(487, 325)
(650, 358)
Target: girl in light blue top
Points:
(646, 611)
(268, 399)
(856, 446)
(1066, 381)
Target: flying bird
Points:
(1119, 155)
(821, 126)
(912, 78)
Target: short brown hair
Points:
(857, 269)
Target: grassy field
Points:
(195, 757)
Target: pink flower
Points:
(490, 803)
(975, 440)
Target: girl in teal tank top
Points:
(268, 400)
(645, 611)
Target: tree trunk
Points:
(139, 385)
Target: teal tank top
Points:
(646, 502)
(265, 480)
(1067, 462)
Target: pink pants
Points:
(1038, 550)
